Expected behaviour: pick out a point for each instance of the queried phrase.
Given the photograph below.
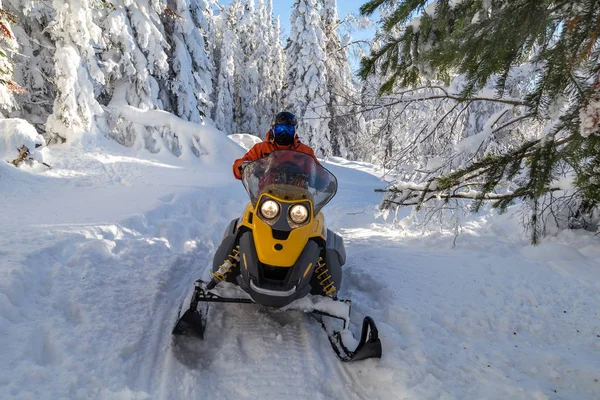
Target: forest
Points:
(464, 104)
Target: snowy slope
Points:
(97, 254)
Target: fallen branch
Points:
(24, 155)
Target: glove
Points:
(243, 165)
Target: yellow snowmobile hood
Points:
(273, 247)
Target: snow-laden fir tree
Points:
(96, 66)
(190, 59)
(278, 67)
(76, 36)
(344, 122)
(225, 83)
(270, 63)
(8, 48)
(306, 83)
(33, 65)
(491, 42)
(137, 66)
(246, 117)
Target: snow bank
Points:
(204, 141)
(245, 140)
(15, 133)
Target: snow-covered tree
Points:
(344, 121)
(246, 117)
(91, 66)
(225, 83)
(535, 141)
(137, 66)
(34, 62)
(278, 68)
(75, 35)
(249, 52)
(190, 83)
(306, 85)
(8, 46)
(270, 62)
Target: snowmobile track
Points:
(248, 351)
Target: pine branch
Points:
(419, 196)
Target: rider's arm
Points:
(252, 155)
(308, 150)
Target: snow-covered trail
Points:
(97, 256)
(248, 353)
(91, 291)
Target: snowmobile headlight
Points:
(299, 213)
(269, 209)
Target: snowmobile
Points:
(281, 254)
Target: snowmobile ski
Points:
(193, 321)
(369, 345)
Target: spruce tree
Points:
(339, 85)
(270, 64)
(225, 85)
(137, 67)
(307, 94)
(488, 42)
(246, 116)
(190, 60)
(34, 64)
(278, 69)
(77, 71)
(8, 47)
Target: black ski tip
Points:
(190, 324)
(369, 345)
(369, 350)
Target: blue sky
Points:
(283, 8)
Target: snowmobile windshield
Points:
(289, 175)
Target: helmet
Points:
(284, 128)
(285, 118)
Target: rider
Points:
(281, 136)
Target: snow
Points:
(15, 133)
(245, 140)
(430, 9)
(415, 23)
(97, 254)
(590, 116)
(472, 143)
(566, 183)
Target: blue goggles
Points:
(284, 130)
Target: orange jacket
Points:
(262, 149)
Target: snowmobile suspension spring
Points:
(324, 277)
(231, 261)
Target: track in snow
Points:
(248, 352)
